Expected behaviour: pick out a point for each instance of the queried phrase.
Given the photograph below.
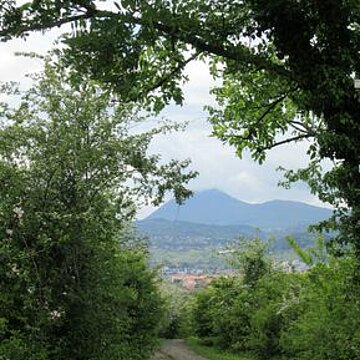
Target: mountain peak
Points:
(212, 191)
(215, 194)
(214, 207)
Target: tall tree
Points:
(74, 284)
(288, 68)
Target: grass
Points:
(212, 353)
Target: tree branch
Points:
(299, 127)
(18, 31)
(168, 76)
(271, 106)
(286, 141)
(237, 53)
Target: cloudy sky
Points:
(218, 166)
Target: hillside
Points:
(181, 235)
(198, 246)
(193, 234)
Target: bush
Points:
(176, 322)
(328, 325)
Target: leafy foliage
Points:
(288, 69)
(75, 281)
(177, 318)
(327, 324)
(284, 315)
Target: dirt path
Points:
(176, 350)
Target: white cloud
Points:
(197, 90)
(14, 68)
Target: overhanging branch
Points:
(18, 31)
(164, 79)
(286, 141)
(237, 53)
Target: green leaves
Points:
(72, 173)
(255, 109)
(282, 314)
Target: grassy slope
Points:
(213, 353)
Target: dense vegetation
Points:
(271, 314)
(74, 281)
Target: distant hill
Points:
(167, 234)
(185, 244)
(213, 207)
(179, 244)
(192, 234)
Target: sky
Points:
(216, 163)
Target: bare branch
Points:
(299, 127)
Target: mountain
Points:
(213, 207)
(192, 234)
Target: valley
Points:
(198, 237)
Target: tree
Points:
(251, 259)
(288, 67)
(75, 283)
